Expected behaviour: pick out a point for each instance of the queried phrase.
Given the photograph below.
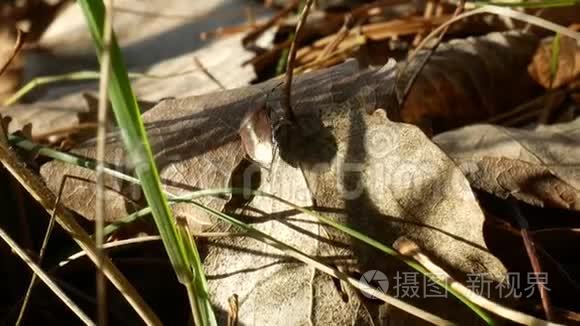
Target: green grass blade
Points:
(555, 58)
(298, 254)
(128, 117)
(74, 76)
(137, 145)
(79, 75)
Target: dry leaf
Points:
(195, 141)
(196, 144)
(165, 50)
(61, 106)
(467, 80)
(72, 117)
(173, 28)
(46, 116)
(540, 167)
(382, 178)
(274, 289)
(446, 104)
(568, 68)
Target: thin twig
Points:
(40, 192)
(338, 37)
(253, 35)
(504, 226)
(100, 175)
(532, 255)
(496, 10)
(227, 31)
(49, 229)
(14, 246)
(15, 49)
(206, 72)
(419, 67)
(45, 278)
(364, 10)
(292, 58)
(218, 234)
(149, 238)
(427, 14)
(505, 12)
(531, 107)
(109, 245)
(312, 301)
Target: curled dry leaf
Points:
(568, 59)
(540, 166)
(467, 80)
